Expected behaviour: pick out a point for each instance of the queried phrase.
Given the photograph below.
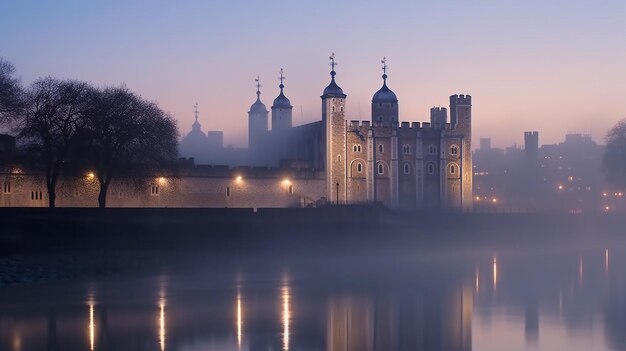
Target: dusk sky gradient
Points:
(548, 65)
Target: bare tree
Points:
(615, 154)
(127, 136)
(52, 122)
(10, 91)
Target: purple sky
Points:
(554, 66)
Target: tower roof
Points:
(258, 106)
(332, 88)
(281, 100)
(384, 94)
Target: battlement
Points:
(354, 124)
(531, 134)
(461, 99)
(438, 109)
(409, 125)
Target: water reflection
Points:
(435, 304)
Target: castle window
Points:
(340, 100)
(452, 169)
(432, 149)
(333, 108)
(454, 150)
(380, 148)
(333, 99)
(407, 168)
(431, 168)
(36, 195)
(454, 189)
(154, 190)
(406, 149)
(338, 158)
(341, 108)
(358, 188)
(290, 189)
(359, 167)
(227, 191)
(7, 187)
(380, 105)
(381, 169)
(357, 148)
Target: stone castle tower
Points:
(333, 118)
(281, 109)
(257, 125)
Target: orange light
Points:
(162, 180)
(286, 182)
(91, 175)
(560, 187)
(494, 200)
(239, 179)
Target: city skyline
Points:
(547, 67)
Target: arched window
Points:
(454, 150)
(431, 168)
(341, 108)
(432, 149)
(381, 168)
(453, 169)
(406, 149)
(380, 148)
(338, 158)
(290, 189)
(357, 148)
(359, 167)
(407, 168)
(333, 108)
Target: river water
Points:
(512, 299)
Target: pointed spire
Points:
(384, 94)
(196, 125)
(258, 106)
(281, 101)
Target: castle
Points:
(403, 165)
(335, 160)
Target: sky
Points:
(555, 66)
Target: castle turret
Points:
(257, 120)
(461, 120)
(333, 117)
(384, 103)
(281, 109)
(438, 116)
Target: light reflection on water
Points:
(536, 301)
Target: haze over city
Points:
(549, 66)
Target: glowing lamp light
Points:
(494, 200)
(238, 179)
(162, 180)
(560, 187)
(604, 194)
(286, 182)
(91, 175)
(477, 198)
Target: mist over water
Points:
(529, 296)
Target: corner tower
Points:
(333, 117)
(281, 109)
(257, 119)
(461, 120)
(384, 103)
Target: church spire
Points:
(195, 111)
(282, 78)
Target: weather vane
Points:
(332, 61)
(384, 62)
(258, 84)
(195, 110)
(282, 78)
